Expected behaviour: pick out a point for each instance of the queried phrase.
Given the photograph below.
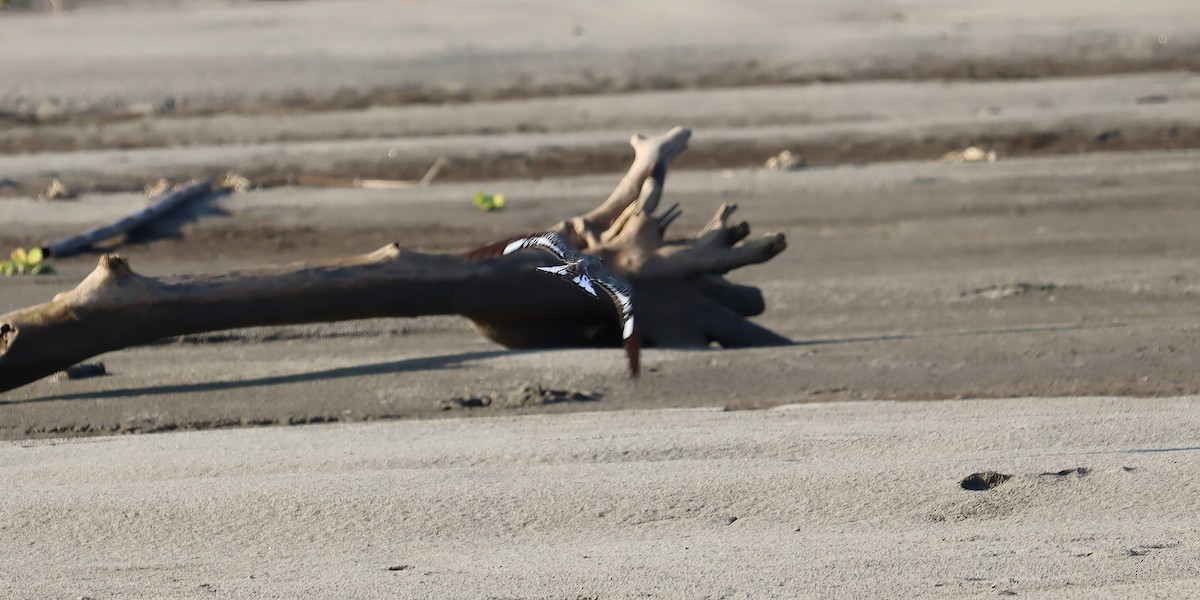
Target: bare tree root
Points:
(681, 298)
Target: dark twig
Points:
(163, 204)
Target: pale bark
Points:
(679, 295)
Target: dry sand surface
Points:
(1068, 276)
(822, 500)
(1062, 277)
(197, 57)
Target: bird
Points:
(587, 272)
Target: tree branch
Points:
(115, 308)
(680, 298)
(165, 203)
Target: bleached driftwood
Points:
(680, 297)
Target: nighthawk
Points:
(588, 273)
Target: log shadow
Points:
(943, 334)
(170, 225)
(382, 368)
(167, 226)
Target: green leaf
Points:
(8, 268)
(37, 269)
(489, 202)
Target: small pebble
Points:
(80, 371)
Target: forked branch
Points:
(681, 298)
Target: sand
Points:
(823, 500)
(199, 57)
(1032, 317)
(907, 280)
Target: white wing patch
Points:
(622, 296)
(517, 245)
(584, 282)
(548, 241)
(617, 289)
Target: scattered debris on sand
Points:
(785, 161)
(536, 395)
(81, 371)
(374, 184)
(236, 183)
(157, 188)
(57, 190)
(526, 395)
(969, 154)
(1008, 290)
(464, 402)
(1077, 472)
(26, 262)
(488, 202)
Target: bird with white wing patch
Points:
(587, 272)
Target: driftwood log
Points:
(160, 205)
(681, 298)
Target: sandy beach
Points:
(1032, 317)
(820, 500)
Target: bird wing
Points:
(622, 296)
(585, 282)
(555, 243)
(617, 289)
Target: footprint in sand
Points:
(986, 480)
(980, 505)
